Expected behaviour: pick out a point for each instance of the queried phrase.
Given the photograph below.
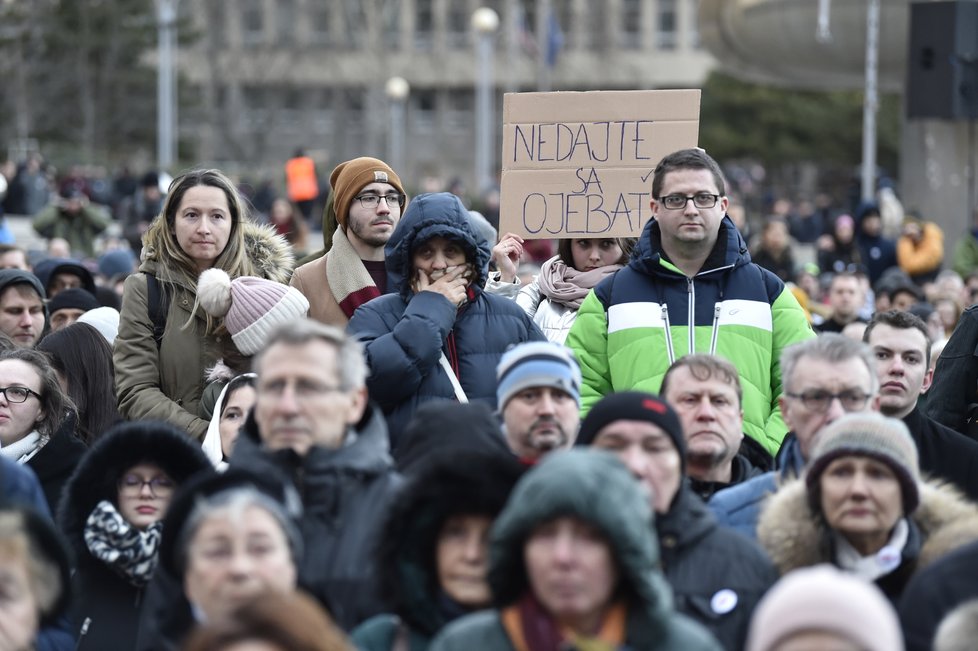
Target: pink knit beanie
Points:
(252, 307)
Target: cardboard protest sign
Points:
(580, 164)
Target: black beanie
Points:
(75, 298)
(634, 405)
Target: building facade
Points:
(270, 76)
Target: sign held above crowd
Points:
(579, 164)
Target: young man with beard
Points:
(367, 199)
(705, 391)
(901, 347)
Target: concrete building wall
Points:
(273, 75)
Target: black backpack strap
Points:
(158, 304)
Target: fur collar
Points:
(794, 537)
(270, 253)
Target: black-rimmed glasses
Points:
(702, 200)
(817, 400)
(18, 394)
(133, 485)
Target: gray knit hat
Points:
(867, 434)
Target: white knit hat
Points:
(252, 307)
(103, 319)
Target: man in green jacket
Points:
(73, 218)
(690, 287)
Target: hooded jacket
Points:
(794, 536)
(166, 383)
(447, 484)
(632, 326)
(593, 486)
(717, 575)
(105, 608)
(405, 333)
(345, 493)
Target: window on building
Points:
(216, 20)
(356, 24)
(254, 100)
(288, 117)
(391, 24)
(666, 34)
(322, 113)
(424, 24)
(564, 10)
(458, 19)
(285, 23)
(597, 38)
(423, 107)
(252, 22)
(631, 24)
(354, 118)
(460, 109)
(320, 22)
(694, 36)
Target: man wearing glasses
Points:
(824, 379)
(690, 287)
(367, 200)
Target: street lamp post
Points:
(485, 22)
(870, 101)
(397, 89)
(166, 106)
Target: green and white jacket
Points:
(632, 326)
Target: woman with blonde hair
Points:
(165, 340)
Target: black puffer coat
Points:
(716, 574)
(106, 606)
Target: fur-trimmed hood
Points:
(794, 536)
(459, 483)
(121, 448)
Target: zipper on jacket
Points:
(668, 331)
(83, 632)
(716, 324)
(691, 301)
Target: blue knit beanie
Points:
(537, 364)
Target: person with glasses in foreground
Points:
(824, 379)
(111, 513)
(690, 287)
(360, 216)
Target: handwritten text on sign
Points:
(580, 164)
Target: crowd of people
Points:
(684, 440)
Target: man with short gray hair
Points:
(313, 422)
(824, 378)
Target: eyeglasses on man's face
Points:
(160, 486)
(371, 200)
(702, 200)
(18, 394)
(820, 401)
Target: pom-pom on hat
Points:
(252, 307)
(867, 434)
(354, 175)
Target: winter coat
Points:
(79, 229)
(742, 469)
(591, 486)
(717, 575)
(452, 483)
(739, 507)
(633, 325)
(794, 536)
(56, 460)
(105, 607)
(965, 257)
(554, 319)
(166, 382)
(943, 453)
(955, 387)
(934, 592)
(922, 260)
(405, 333)
(345, 494)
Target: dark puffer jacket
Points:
(345, 495)
(593, 486)
(448, 484)
(717, 575)
(406, 333)
(106, 605)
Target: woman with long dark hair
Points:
(83, 361)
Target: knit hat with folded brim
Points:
(252, 307)
(354, 175)
(867, 434)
